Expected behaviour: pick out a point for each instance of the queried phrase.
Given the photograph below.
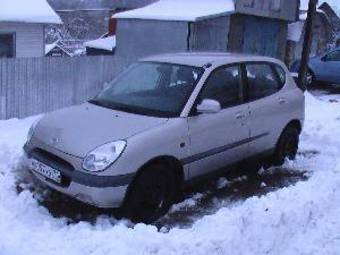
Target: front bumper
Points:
(100, 191)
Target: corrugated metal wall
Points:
(29, 38)
(30, 86)
(140, 38)
(210, 35)
(256, 35)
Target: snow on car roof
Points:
(28, 11)
(107, 43)
(179, 10)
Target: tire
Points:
(151, 195)
(287, 146)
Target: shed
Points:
(323, 32)
(22, 26)
(249, 26)
(57, 49)
(101, 46)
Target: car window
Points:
(148, 79)
(262, 81)
(281, 74)
(224, 85)
(333, 56)
(155, 89)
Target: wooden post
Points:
(307, 42)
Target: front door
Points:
(219, 139)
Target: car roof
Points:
(201, 59)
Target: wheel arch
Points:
(296, 124)
(171, 161)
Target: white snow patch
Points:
(295, 31)
(31, 11)
(178, 10)
(107, 43)
(300, 219)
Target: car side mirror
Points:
(209, 106)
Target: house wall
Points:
(29, 38)
(257, 35)
(210, 35)
(280, 9)
(140, 38)
(322, 39)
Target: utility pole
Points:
(307, 42)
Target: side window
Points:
(262, 81)
(281, 74)
(7, 45)
(224, 85)
(333, 56)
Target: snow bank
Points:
(107, 43)
(31, 11)
(301, 219)
(179, 10)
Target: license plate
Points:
(45, 171)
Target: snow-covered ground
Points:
(303, 218)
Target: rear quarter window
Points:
(262, 80)
(281, 74)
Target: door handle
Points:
(240, 115)
(282, 100)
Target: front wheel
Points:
(151, 194)
(287, 146)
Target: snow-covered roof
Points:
(180, 10)
(107, 43)
(29, 11)
(51, 46)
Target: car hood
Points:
(79, 129)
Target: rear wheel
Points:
(287, 145)
(151, 194)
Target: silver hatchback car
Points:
(164, 122)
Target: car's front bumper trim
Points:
(83, 178)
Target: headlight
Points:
(103, 156)
(31, 130)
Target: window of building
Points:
(7, 45)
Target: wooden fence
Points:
(30, 86)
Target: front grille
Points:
(55, 162)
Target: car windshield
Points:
(148, 88)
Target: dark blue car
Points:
(324, 69)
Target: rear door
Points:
(268, 105)
(219, 139)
